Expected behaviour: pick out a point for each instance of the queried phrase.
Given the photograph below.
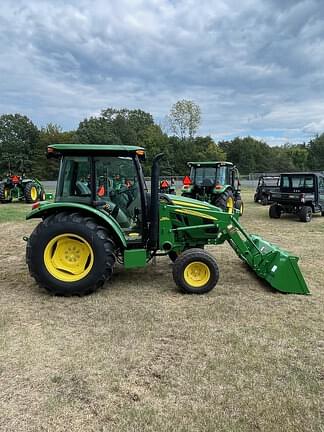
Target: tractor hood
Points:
(190, 202)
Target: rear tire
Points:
(195, 271)
(225, 201)
(70, 254)
(239, 205)
(31, 192)
(274, 211)
(5, 196)
(305, 214)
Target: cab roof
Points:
(89, 148)
(210, 163)
(303, 173)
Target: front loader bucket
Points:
(279, 268)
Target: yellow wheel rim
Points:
(230, 205)
(241, 209)
(33, 193)
(68, 257)
(197, 274)
(6, 193)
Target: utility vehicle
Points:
(104, 213)
(301, 193)
(266, 185)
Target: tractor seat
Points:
(114, 211)
(207, 182)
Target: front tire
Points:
(264, 200)
(305, 214)
(275, 211)
(195, 271)
(70, 254)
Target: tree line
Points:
(23, 145)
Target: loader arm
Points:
(188, 223)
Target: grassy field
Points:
(140, 356)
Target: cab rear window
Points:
(298, 181)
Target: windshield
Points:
(209, 176)
(298, 181)
(270, 181)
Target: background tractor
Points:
(97, 220)
(215, 182)
(20, 187)
(15, 187)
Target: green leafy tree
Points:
(197, 149)
(18, 141)
(125, 120)
(47, 169)
(155, 141)
(316, 153)
(96, 131)
(184, 118)
(114, 126)
(249, 154)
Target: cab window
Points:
(117, 184)
(74, 184)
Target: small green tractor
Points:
(18, 187)
(96, 221)
(215, 182)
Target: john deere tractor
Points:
(97, 220)
(215, 182)
(17, 187)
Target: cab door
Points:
(321, 191)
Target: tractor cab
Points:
(111, 181)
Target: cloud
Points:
(252, 67)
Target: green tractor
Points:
(96, 221)
(215, 182)
(16, 187)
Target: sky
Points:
(255, 67)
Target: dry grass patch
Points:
(139, 356)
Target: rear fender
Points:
(45, 209)
(222, 190)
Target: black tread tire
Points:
(255, 198)
(173, 254)
(274, 211)
(264, 200)
(42, 195)
(27, 192)
(86, 227)
(3, 198)
(221, 200)
(191, 255)
(239, 205)
(305, 214)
